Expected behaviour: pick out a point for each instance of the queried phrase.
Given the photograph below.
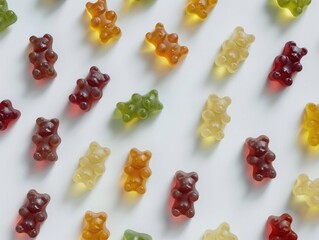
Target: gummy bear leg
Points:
(259, 177)
(84, 105)
(174, 59)
(37, 156)
(52, 157)
(104, 36)
(33, 233)
(19, 228)
(288, 81)
(141, 190)
(190, 213)
(37, 74)
(128, 187)
(176, 212)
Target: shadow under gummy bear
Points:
(51, 5)
(129, 6)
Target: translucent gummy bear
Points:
(94, 226)
(310, 124)
(132, 235)
(7, 17)
(200, 8)
(280, 228)
(296, 7)
(221, 233)
(307, 189)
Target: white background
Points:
(226, 192)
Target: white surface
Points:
(226, 194)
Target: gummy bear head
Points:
(95, 221)
(97, 154)
(36, 201)
(313, 111)
(129, 109)
(150, 101)
(158, 35)
(96, 78)
(6, 112)
(293, 52)
(186, 181)
(42, 43)
(282, 223)
(242, 39)
(139, 159)
(47, 127)
(217, 104)
(258, 146)
(96, 9)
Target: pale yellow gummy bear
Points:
(221, 233)
(235, 50)
(311, 124)
(215, 117)
(307, 189)
(91, 166)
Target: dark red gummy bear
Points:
(7, 114)
(260, 157)
(184, 194)
(43, 57)
(46, 139)
(33, 213)
(287, 64)
(90, 89)
(280, 228)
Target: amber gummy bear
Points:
(137, 171)
(7, 17)
(46, 139)
(7, 114)
(280, 228)
(103, 21)
(33, 213)
(94, 226)
(222, 233)
(166, 45)
(200, 8)
(184, 194)
(310, 124)
(307, 190)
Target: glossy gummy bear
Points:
(215, 117)
(221, 233)
(90, 89)
(46, 139)
(33, 213)
(200, 8)
(91, 166)
(166, 45)
(235, 50)
(7, 114)
(94, 226)
(307, 190)
(280, 228)
(7, 17)
(296, 7)
(137, 171)
(260, 157)
(140, 107)
(287, 64)
(42, 57)
(103, 21)
(184, 194)
(132, 235)
(310, 124)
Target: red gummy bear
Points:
(46, 139)
(90, 89)
(281, 228)
(33, 213)
(261, 158)
(43, 57)
(7, 114)
(287, 64)
(184, 194)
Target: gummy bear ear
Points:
(133, 152)
(45, 198)
(264, 138)
(159, 25)
(287, 217)
(239, 29)
(227, 100)
(94, 69)
(48, 36)
(55, 121)
(32, 39)
(304, 51)
(102, 217)
(40, 120)
(224, 227)
(179, 175)
(31, 194)
(148, 154)
(94, 145)
(88, 216)
(194, 176)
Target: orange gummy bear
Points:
(137, 171)
(166, 44)
(103, 20)
(200, 8)
(94, 226)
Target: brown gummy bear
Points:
(166, 45)
(33, 213)
(184, 194)
(137, 171)
(46, 139)
(280, 228)
(94, 226)
(43, 57)
(7, 114)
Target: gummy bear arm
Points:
(252, 160)
(146, 172)
(84, 161)
(226, 118)
(270, 157)
(193, 196)
(297, 67)
(50, 55)
(176, 193)
(103, 235)
(228, 44)
(244, 53)
(36, 138)
(128, 169)
(41, 216)
(281, 59)
(99, 168)
(54, 140)
(23, 211)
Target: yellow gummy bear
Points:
(221, 233)
(91, 166)
(235, 50)
(307, 190)
(215, 117)
(200, 8)
(311, 124)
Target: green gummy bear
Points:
(7, 17)
(132, 235)
(296, 7)
(139, 106)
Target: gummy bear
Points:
(200, 8)
(94, 226)
(91, 166)
(33, 213)
(46, 139)
(132, 235)
(296, 7)
(280, 228)
(310, 124)
(7, 17)
(215, 117)
(222, 233)
(103, 21)
(184, 194)
(90, 89)
(7, 114)
(308, 190)
(260, 157)
(137, 171)
(235, 50)
(166, 45)
(287, 64)
(43, 57)
(140, 107)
